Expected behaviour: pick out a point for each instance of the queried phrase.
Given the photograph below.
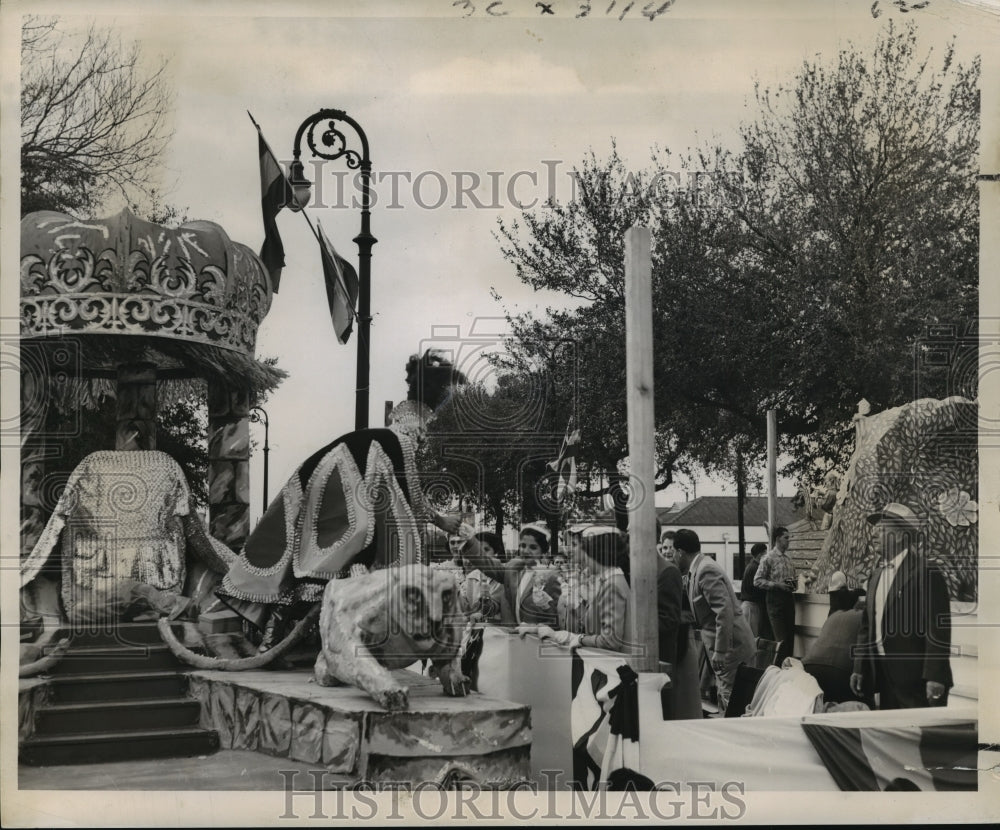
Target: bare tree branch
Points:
(94, 119)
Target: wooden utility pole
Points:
(988, 324)
(741, 497)
(641, 446)
(772, 472)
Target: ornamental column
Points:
(229, 465)
(34, 391)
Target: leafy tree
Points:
(800, 276)
(94, 119)
(477, 437)
(181, 432)
(497, 442)
(855, 196)
(578, 248)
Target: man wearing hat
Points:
(905, 637)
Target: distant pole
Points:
(741, 497)
(641, 445)
(772, 471)
(259, 415)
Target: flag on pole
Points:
(275, 193)
(565, 464)
(341, 287)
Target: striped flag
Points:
(899, 757)
(275, 193)
(341, 287)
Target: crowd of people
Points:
(885, 648)
(891, 650)
(584, 599)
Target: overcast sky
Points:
(441, 95)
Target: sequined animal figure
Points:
(389, 619)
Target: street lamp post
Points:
(259, 416)
(334, 146)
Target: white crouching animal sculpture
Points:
(388, 619)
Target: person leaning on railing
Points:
(530, 593)
(576, 586)
(606, 616)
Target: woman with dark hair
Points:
(481, 594)
(752, 597)
(606, 623)
(533, 543)
(531, 593)
(481, 599)
(491, 544)
(607, 616)
(536, 597)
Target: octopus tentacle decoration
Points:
(258, 661)
(43, 664)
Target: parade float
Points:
(921, 454)
(119, 570)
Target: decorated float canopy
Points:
(147, 315)
(187, 300)
(922, 455)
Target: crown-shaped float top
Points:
(123, 275)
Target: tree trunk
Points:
(529, 509)
(741, 497)
(619, 499)
(498, 511)
(554, 521)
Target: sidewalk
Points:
(224, 770)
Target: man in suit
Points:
(724, 629)
(905, 637)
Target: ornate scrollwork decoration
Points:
(125, 276)
(334, 142)
(33, 275)
(138, 314)
(67, 271)
(211, 285)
